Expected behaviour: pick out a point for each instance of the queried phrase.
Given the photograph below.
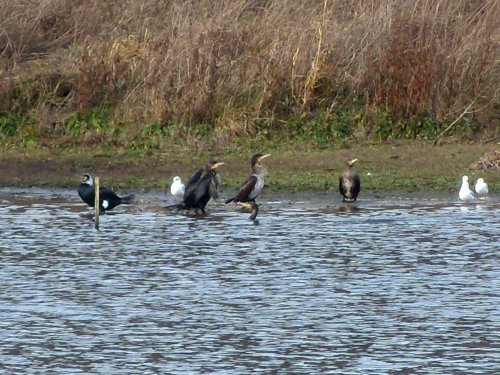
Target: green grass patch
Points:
(405, 166)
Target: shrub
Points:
(238, 65)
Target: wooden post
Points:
(96, 202)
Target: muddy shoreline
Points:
(412, 167)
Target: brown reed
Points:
(239, 64)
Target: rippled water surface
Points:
(391, 285)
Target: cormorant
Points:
(481, 187)
(349, 183)
(202, 186)
(177, 188)
(465, 192)
(253, 185)
(107, 198)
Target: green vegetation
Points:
(405, 166)
(342, 128)
(124, 87)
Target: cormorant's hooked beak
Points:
(351, 162)
(263, 157)
(217, 165)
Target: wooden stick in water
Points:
(96, 202)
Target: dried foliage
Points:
(239, 64)
(489, 160)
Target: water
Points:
(392, 285)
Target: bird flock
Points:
(467, 195)
(204, 185)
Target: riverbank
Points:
(403, 166)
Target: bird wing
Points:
(105, 193)
(214, 186)
(191, 185)
(357, 184)
(246, 188)
(203, 186)
(342, 186)
(195, 177)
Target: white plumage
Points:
(465, 192)
(481, 187)
(177, 188)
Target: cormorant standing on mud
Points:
(107, 198)
(252, 186)
(349, 183)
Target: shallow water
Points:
(392, 284)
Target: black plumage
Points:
(107, 198)
(202, 186)
(253, 185)
(349, 183)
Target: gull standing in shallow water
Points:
(177, 188)
(465, 192)
(481, 187)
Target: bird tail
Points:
(129, 199)
(230, 200)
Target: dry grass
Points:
(239, 64)
(490, 160)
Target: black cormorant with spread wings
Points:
(202, 186)
(349, 183)
(252, 186)
(107, 198)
